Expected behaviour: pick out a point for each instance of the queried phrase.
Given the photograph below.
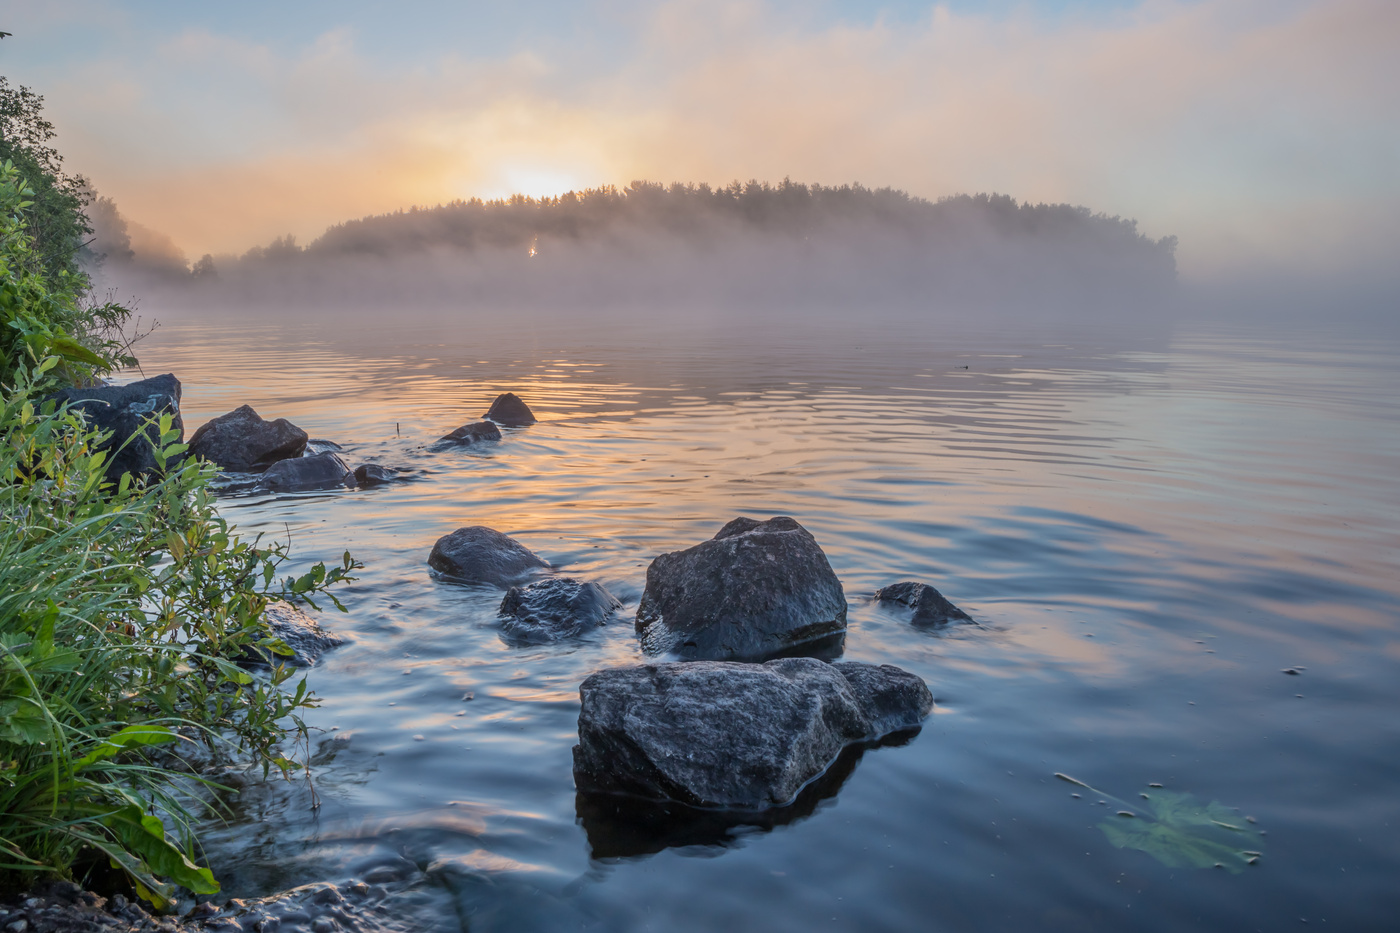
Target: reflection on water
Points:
(620, 826)
(1148, 526)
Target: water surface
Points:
(1150, 525)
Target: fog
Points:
(648, 252)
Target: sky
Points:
(1265, 134)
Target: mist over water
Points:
(1151, 517)
(650, 251)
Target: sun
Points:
(533, 182)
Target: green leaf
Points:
(130, 737)
(232, 671)
(143, 835)
(1184, 832)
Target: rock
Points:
(299, 631)
(242, 442)
(930, 607)
(372, 474)
(509, 410)
(552, 609)
(482, 555)
(478, 432)
(126, 412)
(731, 734)
(755, 590)
(321, 471)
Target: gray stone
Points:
(552, 609)
(242, 442)
(730, 734)
(321, 471)
(372, 474)
(930, 607)
(299, 631)
(755, 590)
(127, 412)
(508, 409)
(478, 432)
(477, 554)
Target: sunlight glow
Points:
(533, 183)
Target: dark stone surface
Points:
(125, 411)
(930, 607)
(478, 554)
(549, 610)
(509, 410)
(478, 432)
(730, 734)
(754, 591)
(372, 474)
(242, 442)
(302, 634)
(321, 471)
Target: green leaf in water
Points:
(1184, 832)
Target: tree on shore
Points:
(57, 219)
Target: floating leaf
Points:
(1180, 830)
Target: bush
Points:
(122, 611)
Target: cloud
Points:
(1260, 132)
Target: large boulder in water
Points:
(301, 633)
(242, 442)
(322, 471)
(753, 591)
(509, 410)
(728, 734)
(478, 554)
(127, 412)
(931, 608)
(549, 610)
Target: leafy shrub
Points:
(122, 611)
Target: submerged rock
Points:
(478, 432)
(478, 554)
(242, 442)
(930, 606)
(320, 471)
(509, 410)
(552, 609)
(372, 474)
(126, 411)
(730, 734)
(755, 590)
(299, 631)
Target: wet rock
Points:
(299, 631)
(126, 411)
(552, 609)
(755, 590)
(478, 432)
(372, 474)
(478, 554)
(242, 442)
(930, 607)
(321, 471)
(731, 734)
(509, 410)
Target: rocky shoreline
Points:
(743, 706)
